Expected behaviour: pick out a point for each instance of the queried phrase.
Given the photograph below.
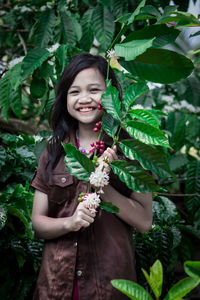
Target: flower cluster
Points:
(91, 201)
(99, 179)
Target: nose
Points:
(84, 98)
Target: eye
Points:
(73, 92)
(94, 90)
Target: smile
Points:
(86, 109)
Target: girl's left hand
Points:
(110, 154)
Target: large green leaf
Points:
(144, 115)
(109, 206)
(182, 288)
(155, 279)
(5, 89)
(136, 11)
(15, 76)
(103, 26)
(149, 157)
(87, 29)
(132, 93)
(78, 164)
(33, 60)
(133, 290)
(45, 28)
(132, 49)
(164, 35)
(110, 101)
(160, 65)
(134, 177)
(192, 268)
(68, 29)
(146, 133)
(61, 59)
(109, 124)
(16, 103)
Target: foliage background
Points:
(37, 40)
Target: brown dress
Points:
(93, 255)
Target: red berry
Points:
(96, 129)
(97, 146)
(97, 142)
(101, 151)
(92, 144)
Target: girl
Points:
(83, 250)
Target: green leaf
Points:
(136, 12)
(103, 26)
(109, 124)
(182, 288)
(110, 101)
(146, 133)
(77, 163)
(134, 177)
(132, 93)
(5, 89)
(87, 29)
(177, 161)
(132, 49)
(192, 268)
(45, 28)
(155, 279)
(68, 29)
(3, 216)
(109, 206)
(164, 35)
(15, 76)
(16, 103)
(38, 87)
(149, 157)
(160, 65)
(144, 115)
(33, 60)
(133, 290)
(61, 61)
(17, 213)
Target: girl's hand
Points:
(110, 154)
(82, 217)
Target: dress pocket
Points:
(61, 189)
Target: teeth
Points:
(85, 109)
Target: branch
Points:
(22, 42)
(177, 195)
(17, 126)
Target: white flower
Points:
(168, 99)
(111, 54)
(53, 48)
(91, 201)
(99, 178)
(15, 61)
(137, 106)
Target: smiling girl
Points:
(83, 250)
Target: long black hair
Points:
(60, 120)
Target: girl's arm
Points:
(49, 228)
(136, 210)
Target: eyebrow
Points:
(76, 86)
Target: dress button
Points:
(79, 273)
(75, 244)
(63, 179)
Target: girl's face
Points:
(84, 94)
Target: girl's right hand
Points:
(82, 217)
